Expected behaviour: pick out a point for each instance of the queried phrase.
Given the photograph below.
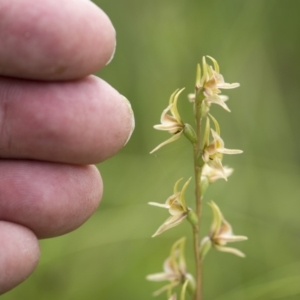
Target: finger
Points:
(19, 255)
(50, 199)
(53, 39)
(84, 121)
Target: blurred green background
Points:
(256, 43)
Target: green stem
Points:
(196, 229)
(198, 293)
(198, 194)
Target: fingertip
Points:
(79, 122)
(54, 40)
(19, 257)
(50, 199)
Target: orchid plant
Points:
(208, 151)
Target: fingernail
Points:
(132, 119)
(113, 54)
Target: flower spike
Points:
(208, 150)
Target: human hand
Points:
(55, 121)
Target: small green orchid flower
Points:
(212, 175)
(213, 99)
(176, 206)
(174, 271)
(212, 79)
(213, 153)
(171, 122)
(211, 82)
(221, 233)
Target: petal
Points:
(216, 66)
(177, 257)
(210, 86)
(223, 98)
(183, 290)
(217, 219)
(174, 109)
(230, 250)
(216, 135)
(228, 171)
(172, 199)
(213, 175)
(159, 277)
(173, 127)
(168, 118)
(176, 185)
(176, 209)
(164, 113)
(216, 99)
(206, 170)
(159, 204)
(225, 229)
(228, 85)
(232, 238)
(172, 139)
(229, 151)
(170, 223)
(219, 79)
(166, 288)
(205, 71)
(211, 149)
(205, 156)
(217, 164)
(198, 77)
(168, 267)
(182, 200)
(210, 71)
(171, 100)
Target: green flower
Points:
(211, 82)
(213, 153)
(174, 271)
(221, 233)
(171, 122)
(176, 206)
(212, 175)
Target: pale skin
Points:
(56, 121)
